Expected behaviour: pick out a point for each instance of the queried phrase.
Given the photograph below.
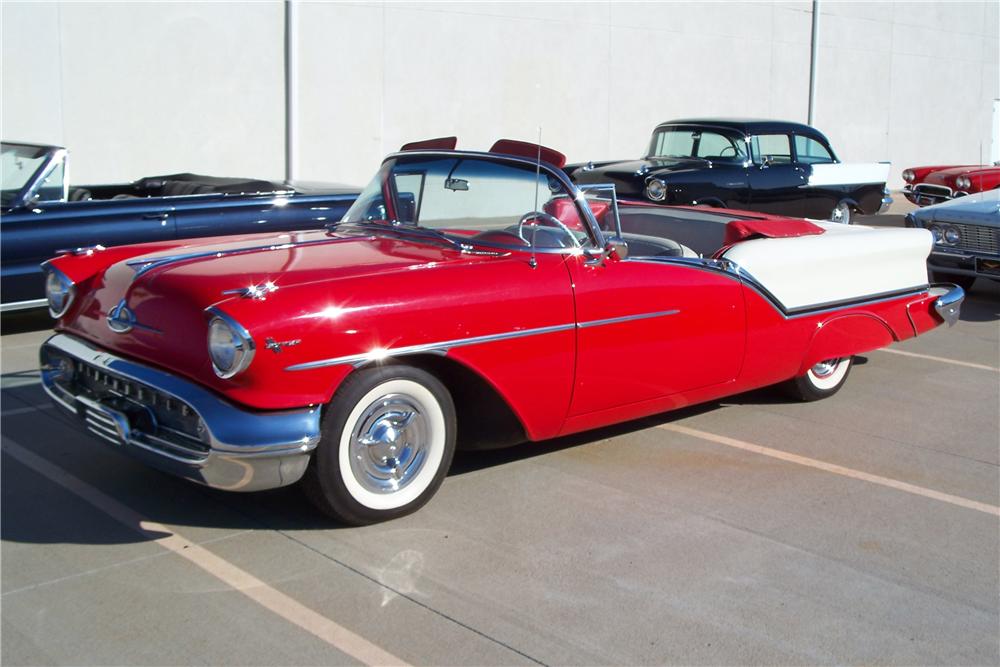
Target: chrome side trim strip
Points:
(440, 348)
(626, 318)
(23, 305)
(443, 346)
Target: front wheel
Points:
(841, 213)
(821, 381)
(388, 437)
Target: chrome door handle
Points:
(155, 216)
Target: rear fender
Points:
(847, 335)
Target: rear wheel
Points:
(388, 438)
(821, 381)
(841, 213)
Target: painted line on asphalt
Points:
(25, 410)
(836, 469)
(955, 362)
(273, 600)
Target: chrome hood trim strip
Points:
(444, 346)
(143, 266)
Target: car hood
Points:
(167, 293)
(978, 209)
(948, 176)
(633, 169)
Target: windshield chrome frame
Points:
(54, 156)
(572, 190)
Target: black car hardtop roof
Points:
(749, 125)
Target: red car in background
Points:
(933, 185)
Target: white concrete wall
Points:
(140, 88)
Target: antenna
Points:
(533, 262)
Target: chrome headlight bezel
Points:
(963, 183)
(230, 345)
(938, 233)
(656, 190)
(909, 176)
(59, 291)
(952, 235)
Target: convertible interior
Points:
(174, 185)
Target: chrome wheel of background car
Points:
(387, 442)
(841, 213)
(823, 379)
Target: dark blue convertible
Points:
(42, 213)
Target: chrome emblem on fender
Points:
(120, 318)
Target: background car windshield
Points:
(458, 194)
(680, 142)
(17, 165)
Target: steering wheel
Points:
(544, 217)
(722, 153)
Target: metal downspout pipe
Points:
(291, 88)
(813, 59)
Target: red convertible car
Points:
(933, 185)
(466, 299)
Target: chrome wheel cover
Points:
(825, 368)
(841, 214)
(388, 444)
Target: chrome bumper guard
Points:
(886, 201)
(949, 302)
(174, 424)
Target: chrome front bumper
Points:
(229, 447)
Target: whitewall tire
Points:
(822, 380)
(387, 442)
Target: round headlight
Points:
(59, 292)
(909, 176)
(229, 346)
(963, 182)
(952, 236)
(937, 232)
(656, 189)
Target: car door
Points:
(33, 235)
(821, 195)
(648, 328)
(777, 182)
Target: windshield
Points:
(471, 198)
(19, 164)
(678, 142)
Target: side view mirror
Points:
(616, 248)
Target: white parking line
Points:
(275, 601)
(954, 362)
(25, 410)
(836, 469)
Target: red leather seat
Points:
(564, 210)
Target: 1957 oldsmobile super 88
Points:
(758, 165)
(42, 212)
(471, 298)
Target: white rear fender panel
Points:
(845, 263)
(849, 174)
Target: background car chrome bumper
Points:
(231, 448)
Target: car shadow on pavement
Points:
(982, 302)
(38, 509)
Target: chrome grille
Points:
(102, 424)
(120, 410)
(936, 190)
(977, 238)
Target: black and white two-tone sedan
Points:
(770, 166)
